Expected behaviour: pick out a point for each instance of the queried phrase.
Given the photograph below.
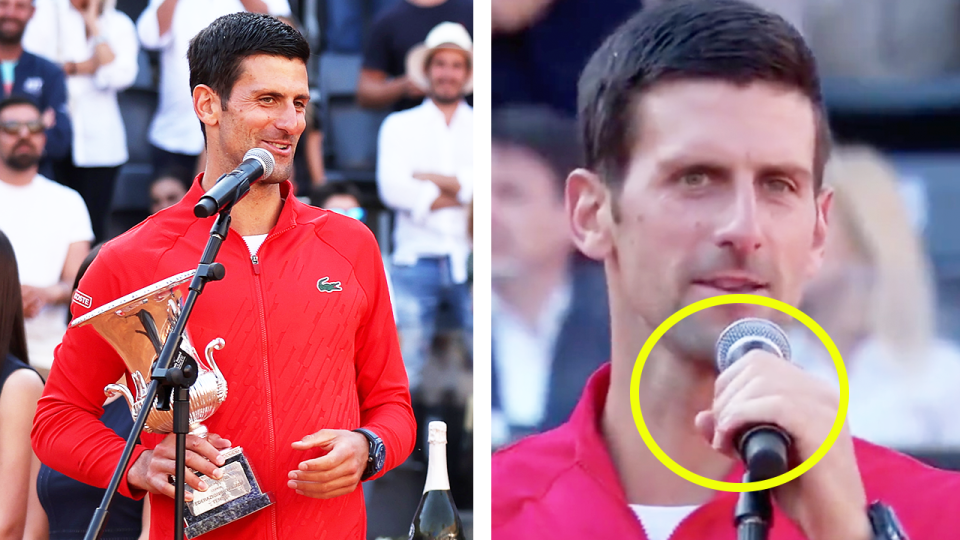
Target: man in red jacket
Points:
(705, 136)
(311, 349)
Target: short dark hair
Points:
(216, 53)
(726, 40)
(19, 100)
(542, 130)
(321, 194)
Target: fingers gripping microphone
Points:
(232, 186)
(763, 448)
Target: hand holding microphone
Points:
(758, 386)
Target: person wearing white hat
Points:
(424, 174)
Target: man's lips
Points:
(279, 147)
(733, 284)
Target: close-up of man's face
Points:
(447, 71)
(719, 197)
(266, 109)
(14, 15)
(21, 136)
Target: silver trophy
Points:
(137, 326)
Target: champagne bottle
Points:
(436, 517)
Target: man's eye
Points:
(778, 185)
(694, 179)
(267, 99)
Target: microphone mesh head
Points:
(759, 329)
(264, 157)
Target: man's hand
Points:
(828, 501)
(409, 88)
(449, 185)
(33, 301)
(153, 468)
(339, 468)
(49, 118)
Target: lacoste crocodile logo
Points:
(324, 286)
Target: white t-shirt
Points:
(659, 522)
(42, 219)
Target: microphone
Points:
(763, 448)
(232, 186)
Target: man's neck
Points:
(15, 177)
(527, 294)
(672, 392)
(10, 51)
(257, 212)
(448, 109)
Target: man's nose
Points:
(740, 227)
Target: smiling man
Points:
(705, 140)
(318, 395)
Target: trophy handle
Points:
(217, 344)
(113, 389)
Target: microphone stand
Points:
(172, 376)
(754, 513)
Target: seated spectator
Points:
(168, 188)
(47, 223)
(874, 296)
(26, 74)
(68, 505)
(550, 325)
(20, 388)
(168, 26)
(97, 47)
(384, 82)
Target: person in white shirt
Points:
(874, 296)
(550, 324)
(168, 26)
(424, 174)
(47, 224)
(97, 47)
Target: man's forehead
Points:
(758, 120)
(19, 111)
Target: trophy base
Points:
(233, 497)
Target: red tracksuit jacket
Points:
(296, 360)
(562, 485)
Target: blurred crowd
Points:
(97, 132)
(885, 294)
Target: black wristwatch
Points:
(377, 455)
(884, 523)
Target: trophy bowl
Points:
(137, 326)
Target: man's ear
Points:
(206, 103)
(588, 202)
(824, 202)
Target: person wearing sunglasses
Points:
(47, 223)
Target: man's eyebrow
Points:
(277, 94)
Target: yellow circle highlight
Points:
(739, 299)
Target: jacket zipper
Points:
(266, 375)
